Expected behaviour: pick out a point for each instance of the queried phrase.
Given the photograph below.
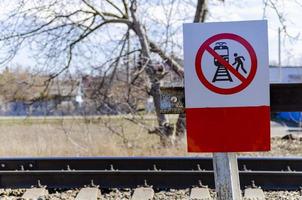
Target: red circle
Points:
(210, 86)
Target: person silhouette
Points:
(238, 61)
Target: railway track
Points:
(271, 173)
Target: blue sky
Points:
(291, 43)
(235, 10)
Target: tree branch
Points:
(115, 6)
(176, 67)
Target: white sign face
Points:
(226, 64)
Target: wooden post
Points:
(226, 174)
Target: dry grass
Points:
(103, 136)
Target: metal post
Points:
(279, 54)
(226, 176)
(284, 98)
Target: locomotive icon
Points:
(221, 74)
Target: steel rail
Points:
(146, 163)
(270, 173)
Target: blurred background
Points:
(82, 77)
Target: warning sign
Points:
(227, 86)
(221, 56)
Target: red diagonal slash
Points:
(225, 64)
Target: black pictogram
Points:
(221, 74)
(238, 61)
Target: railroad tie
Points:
(253, 194)
(35, 194)
(89, 193)
(143, 193)
(200, 193)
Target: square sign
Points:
(227, 86)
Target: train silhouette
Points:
(223, 50)
(221, 74)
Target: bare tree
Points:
(65, 34)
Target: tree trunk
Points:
(201, 11)
(200, 16)
(165, 129)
